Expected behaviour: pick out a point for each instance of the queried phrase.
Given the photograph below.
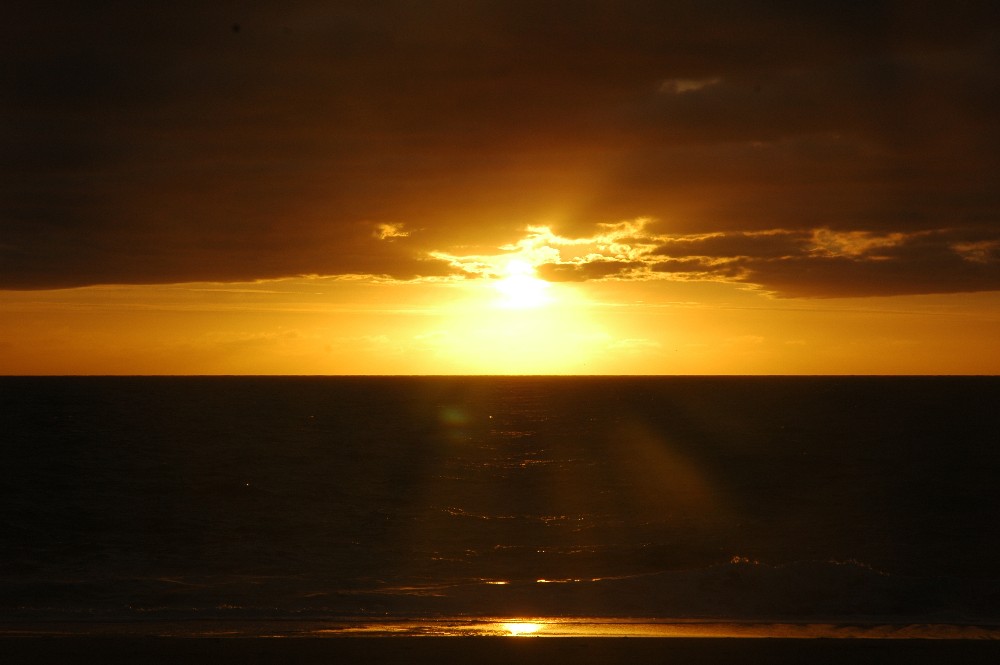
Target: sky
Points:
(446, 187)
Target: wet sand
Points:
(489, 650)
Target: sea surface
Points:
(401, 503)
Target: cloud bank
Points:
(808, 149)
(790, 263)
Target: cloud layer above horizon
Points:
(805, 149)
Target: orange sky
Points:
(306, 187)
(327, 326)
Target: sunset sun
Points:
(520, 287)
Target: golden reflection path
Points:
(543, 627)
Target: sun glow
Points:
(520, 628)
(484, 334)
(520, 288)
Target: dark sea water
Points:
(846, 501)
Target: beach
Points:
(485, 643)
(490, 650)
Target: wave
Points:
(739, 590)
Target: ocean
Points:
(454, 505)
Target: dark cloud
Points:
(587, 270)
(757, 245)
(906, 271)
(829, 264)
(143, 144)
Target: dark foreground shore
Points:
(490, 650)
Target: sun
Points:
(520, 287)
(521, 628)
(514, 322)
